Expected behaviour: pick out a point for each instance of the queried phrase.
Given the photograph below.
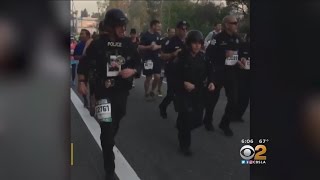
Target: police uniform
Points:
(110, 88)
(244, 78)
(163, 41)
(170, 46)
(197, 71)
(150, 58)
(226, 71)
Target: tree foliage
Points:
(201, 15)
(84, 13)
(95, 15)
(241, 5)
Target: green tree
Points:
(154, 9)
(95, 15)
(84, 13)
(138, 15)
(240, 5)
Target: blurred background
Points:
(34, 93)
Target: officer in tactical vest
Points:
(194, 78)
(115, 61)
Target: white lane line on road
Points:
(165, 82)
(123, 169)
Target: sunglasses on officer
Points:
(234, 23)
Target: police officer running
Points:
(170, 51)
(115, 61)
(193, 72)
(150, 50)
(170, 33)
(223, 52)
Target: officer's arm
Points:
(186, 74)
(144, 47)
(165, 55)
(209, 36)
(136, 62)
(143, 44)
(210, 72)
(212, 57)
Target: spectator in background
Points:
(73, 45)
(212, 34)
(78, 54)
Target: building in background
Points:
(91, 24)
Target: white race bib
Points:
(162, 73)
(103, 111)
(247, 65)
(148, 65)
(113, 67)
(231, 61)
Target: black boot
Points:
(163, 112)
(110, 176)
(209, 127)
(226, 129)
(186, 151)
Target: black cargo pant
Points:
(231, 86)
(231, 83)
(109, 130)
(211, 101)
(170, 91)
(190, 113)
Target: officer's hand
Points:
(242, 63)
(151, 46)
(229, 53)
(156, 47)
(126, 73)
(82, 88)
(175, 54)
(189, 86)
(211, 87)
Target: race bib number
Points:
(103, 111)
(247, 65)
(148, 65)
(114, 66)
(231, 61)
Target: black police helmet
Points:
(194, 36)
(115, 17)
(180, 24)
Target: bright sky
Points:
(91, 6)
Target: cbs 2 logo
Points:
(247, 152)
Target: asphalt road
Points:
(149, 144)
